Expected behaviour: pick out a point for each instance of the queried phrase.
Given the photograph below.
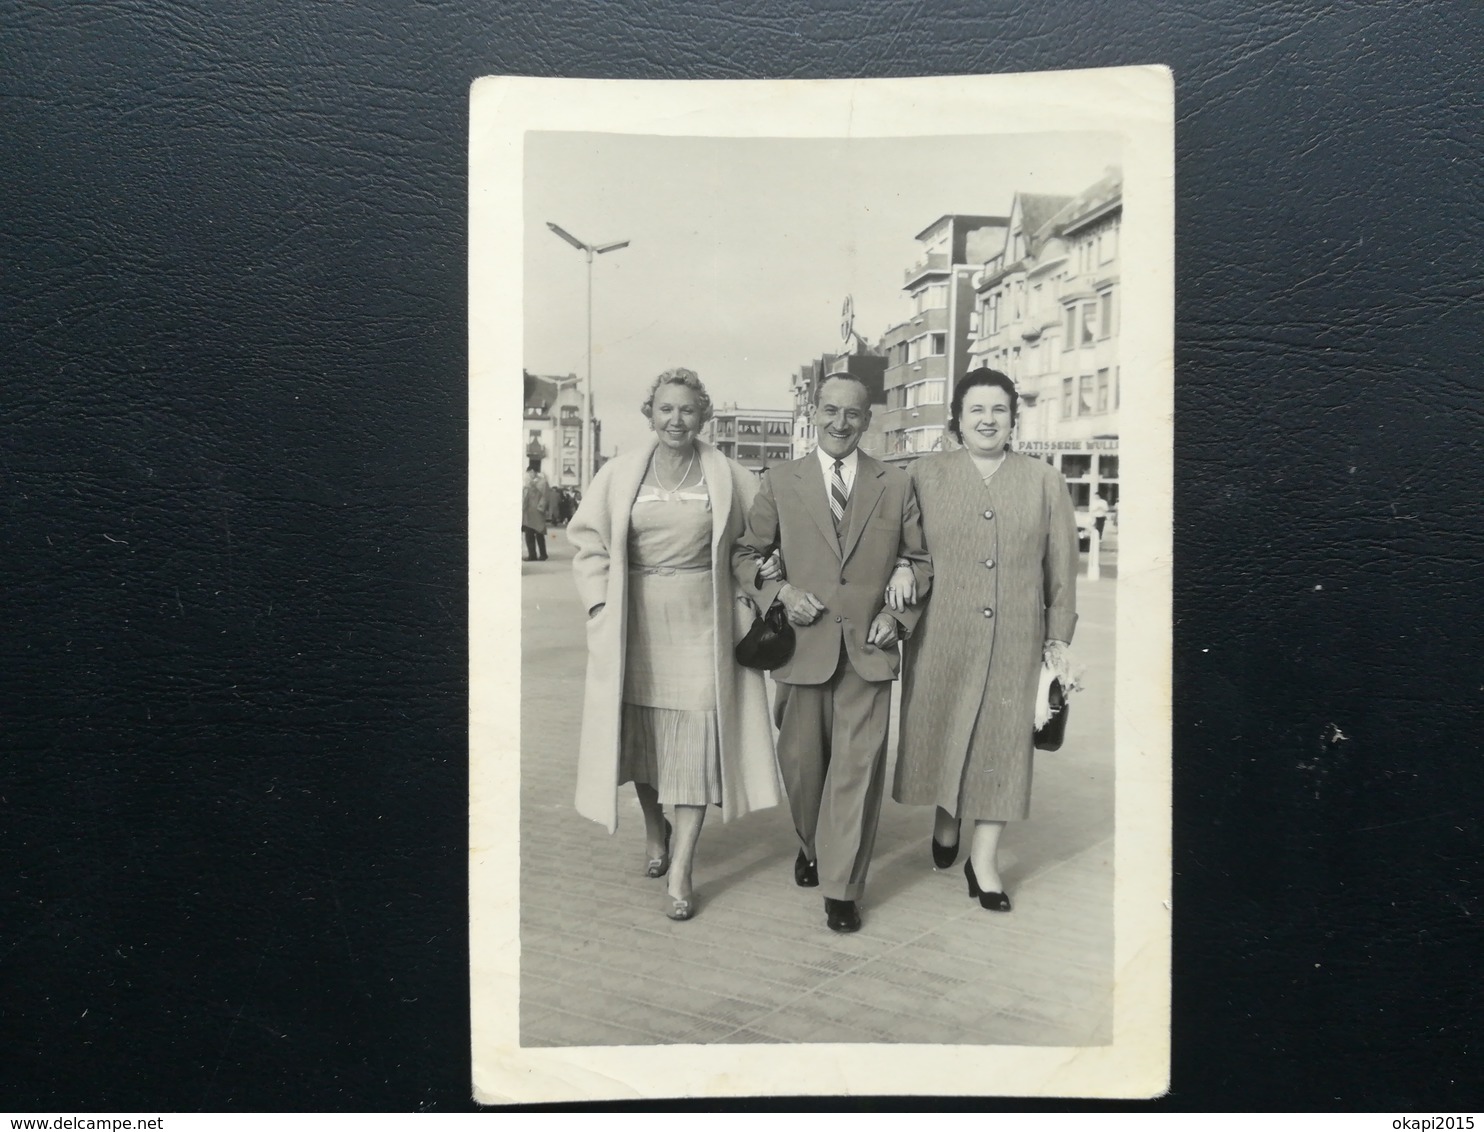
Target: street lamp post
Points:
(588, 464)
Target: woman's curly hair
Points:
(679, 376)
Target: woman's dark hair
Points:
(981, 376)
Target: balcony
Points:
(934, 264)
(1037, 325)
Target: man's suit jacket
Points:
(848, 574)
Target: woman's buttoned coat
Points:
(1004, 559)
(599, 533)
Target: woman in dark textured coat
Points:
(1003, 539)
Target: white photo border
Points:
(1137, 103)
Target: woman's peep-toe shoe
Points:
(659, 866)
(944, 855)
(990, 901)
(680, 907)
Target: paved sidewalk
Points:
(601, 965)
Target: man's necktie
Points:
(838, 496)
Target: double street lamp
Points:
(588, 463)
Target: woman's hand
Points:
(901, 591)
(595, 610)
(771, 568)
(1054, 655)
(883, 631)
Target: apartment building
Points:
(1047, 313)
(929, 350)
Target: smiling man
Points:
(846, 527)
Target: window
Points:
(1089, 321)
(1108, 244)
(939, 345)
(570, 412)
(1084, 395)
(1107, 467)
(1066, 397)
(1069, 330)
(1105, 314)
(1076, 467)
(994, 313)
(1102, 401)
(932, 297)
(1036, 300)
(924, 393)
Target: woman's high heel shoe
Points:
(659, 866)
(944, 855)
(990, 901)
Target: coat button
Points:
(842, 581)
(989, 613)
(989, 562)
(837, 620)
(989, 514)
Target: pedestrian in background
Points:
(1002, 534)
(533, 508)
(1099, 513)
(666, 705)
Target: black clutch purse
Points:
(1050, 734)
(769, 644)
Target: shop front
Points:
(1089, 466)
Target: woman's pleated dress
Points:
(669, 734)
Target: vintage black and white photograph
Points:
(830, 544)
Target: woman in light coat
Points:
(1003, 539)
(667, 707)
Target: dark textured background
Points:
(233, 426)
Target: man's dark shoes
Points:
(841, 915)
(806, 872)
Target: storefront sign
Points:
(1036, 447)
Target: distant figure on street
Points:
(1099, 513)
(667, 707)
(846, 526)
(533, 513)
(1003, 538)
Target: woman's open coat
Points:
(599, 533)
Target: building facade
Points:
(1046, 313)
(553, 428)
(755, 438)
(929, 350)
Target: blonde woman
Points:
(666, 706)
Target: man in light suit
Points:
(846, 527)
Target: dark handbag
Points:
(769, 644)
(1054, 730)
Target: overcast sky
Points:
(744, 249)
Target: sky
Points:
(742, 250)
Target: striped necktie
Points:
(838, 497)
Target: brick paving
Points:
(601, 965)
